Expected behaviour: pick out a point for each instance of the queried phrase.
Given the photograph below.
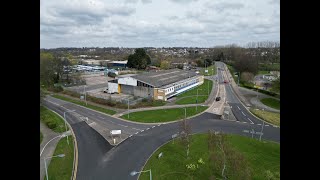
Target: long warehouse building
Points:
(160, 85)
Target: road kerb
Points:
(75, 154)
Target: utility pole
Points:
(261, 131)
(238, 77)
(128, 108)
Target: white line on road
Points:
(136, 133)
(243, 113)
(250, 121)
(142, 130)
(244, 122)
(259, 124)
(136, 129)
(153, 126)
(130, 135)
(53, 103)
(275, 126)
(238, 107)
(101, 117)
(147, 128)
(267, 125)
(159, 124)
(122, 125)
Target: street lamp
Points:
(45, 162)
(128, 108)
(65, 121)
(85, 94)
(197, 99)
(133, 173)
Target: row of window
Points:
(176, 87)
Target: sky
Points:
(157, 23)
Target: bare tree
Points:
(185, 135)
(247, 76)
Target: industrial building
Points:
(160, 85)
(118, 64)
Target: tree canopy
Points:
(139, 59)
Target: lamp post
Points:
(65, 122)
(45, 163)
(133, 173)
(85, 94)
(128, 108)
(197, 99)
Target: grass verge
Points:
(41, 137)
(61, 168)
(273, 103)
(261, 156)
(52, 120)
(203, 89)
(81, 103)
(191, 100)
(211, 71)
(271, 117)
(162, 115)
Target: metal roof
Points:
(165, 77)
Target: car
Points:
(225, 81)
(218, 98)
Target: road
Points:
(241, 113)
(100, 160)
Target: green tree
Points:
(140, 59)
(276, 85)
(164, 65)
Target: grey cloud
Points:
(146, 1)
(183, 1)
(223, 6)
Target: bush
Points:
(55, 89)
(51, 125)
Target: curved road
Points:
(99, 160)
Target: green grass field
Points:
(162, 115)
(271, 117)
(273, 103)
(61, 168)
(191, 100)
(203, 91)
(82, 103)
(52, 120)
(263, 72)
(261, 156)
(211, 71)
(41, 137)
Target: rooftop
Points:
(165, 77)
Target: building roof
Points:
(165, 77)
(119, 62)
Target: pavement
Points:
(48, 134)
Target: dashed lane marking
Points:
(259, 124)
(136, 133)
(153, 126)
(147, 128)
(122, 125)
(159, 124)
(244, 122)
(142, 130)
(238, 107)
(267, 125)
(243, 113)
(130, 135)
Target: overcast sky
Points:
(157, 23)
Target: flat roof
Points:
(164, 77)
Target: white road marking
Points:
(142, 130)
(267, 125)
(159, 124)
(147, 128)
(243, 113)
(91, 114)
(53, 103)
(136, 129)
(259, 124)
(250, 121)
(122, 125)
(130, 135)
(244, 122)
(230, 107)
(238, 107)
(136, 133)
(275, 126)
(101, 117)
(153, 126)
